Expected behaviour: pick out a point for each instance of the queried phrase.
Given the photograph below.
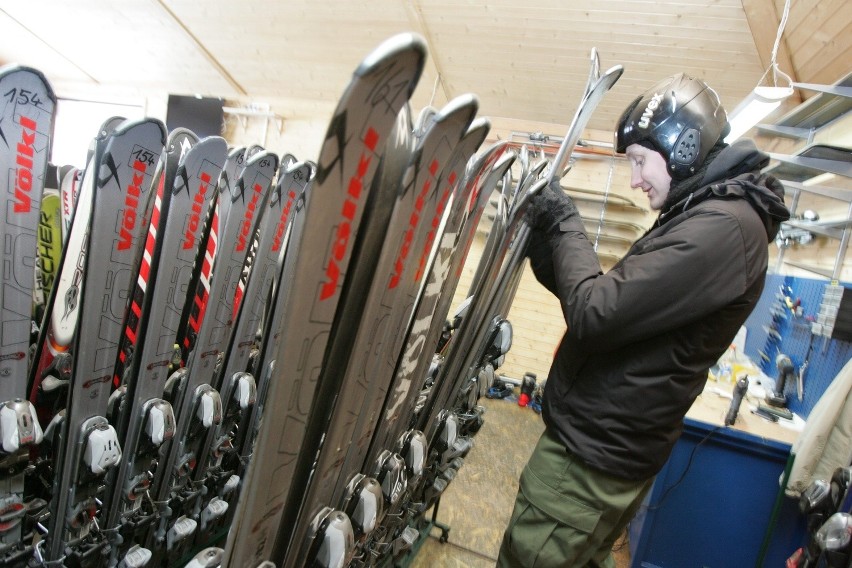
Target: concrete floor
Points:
(478, 503)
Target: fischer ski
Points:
(26, 126)
(334, 209)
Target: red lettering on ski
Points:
(282, 223)
(436, 221)
(24, 172)
(195, 215)
(413, 221)
(350, 207)
(131, 203)
(245, 228)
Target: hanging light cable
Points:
(763, 99)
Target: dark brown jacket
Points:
(642, 336)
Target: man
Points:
(642, 336)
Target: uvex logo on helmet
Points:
(653, 105)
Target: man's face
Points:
(648, 172)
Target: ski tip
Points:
(131, 124)
(11, 68)
(478, 131)
(615, 71)
(398, 47)
(463, 108)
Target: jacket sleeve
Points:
(689, 271)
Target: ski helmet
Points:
(681, 117)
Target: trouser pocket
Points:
(547, 529)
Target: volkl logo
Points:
(645, 121)
(245, 228)
(131, 203)
(195, 215)
(282, 223)
(413, 223)
(24, 173)
(350, 207)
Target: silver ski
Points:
(195, 401)
(26, 126)
(90, 446)
(174, 239)
(396, 281)
(237, 387)
(351, 152)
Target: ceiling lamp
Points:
(763, 99)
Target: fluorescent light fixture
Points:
(754, 108)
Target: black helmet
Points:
(681, 117)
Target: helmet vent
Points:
(687, 146)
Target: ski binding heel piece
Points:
(102, 449)
(182, 528)
(207, 558)
(18, 425)
(333, 539)
(160, 425)
(136, 557)
(209, 410)
(214, 510)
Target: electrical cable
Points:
(686, 469)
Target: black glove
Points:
(549, 208)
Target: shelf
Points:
(811, 161)
(832, 102)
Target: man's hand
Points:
(549, 208)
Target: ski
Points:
(469, 202)
(88, 446)
(26, 126)
(50, 372)
(195, 401)
(396, 458)
(237, 387)
(143, 420)
(193, 313)
(596, 87)
(340, 404)
(334, 209)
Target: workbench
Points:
(712, 504)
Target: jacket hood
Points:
(735, 173)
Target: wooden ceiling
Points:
(524, 60)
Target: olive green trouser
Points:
(567, 514)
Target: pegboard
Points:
(792, 336)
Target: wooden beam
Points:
(217, 65)
(415, 16)
(763, 20)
